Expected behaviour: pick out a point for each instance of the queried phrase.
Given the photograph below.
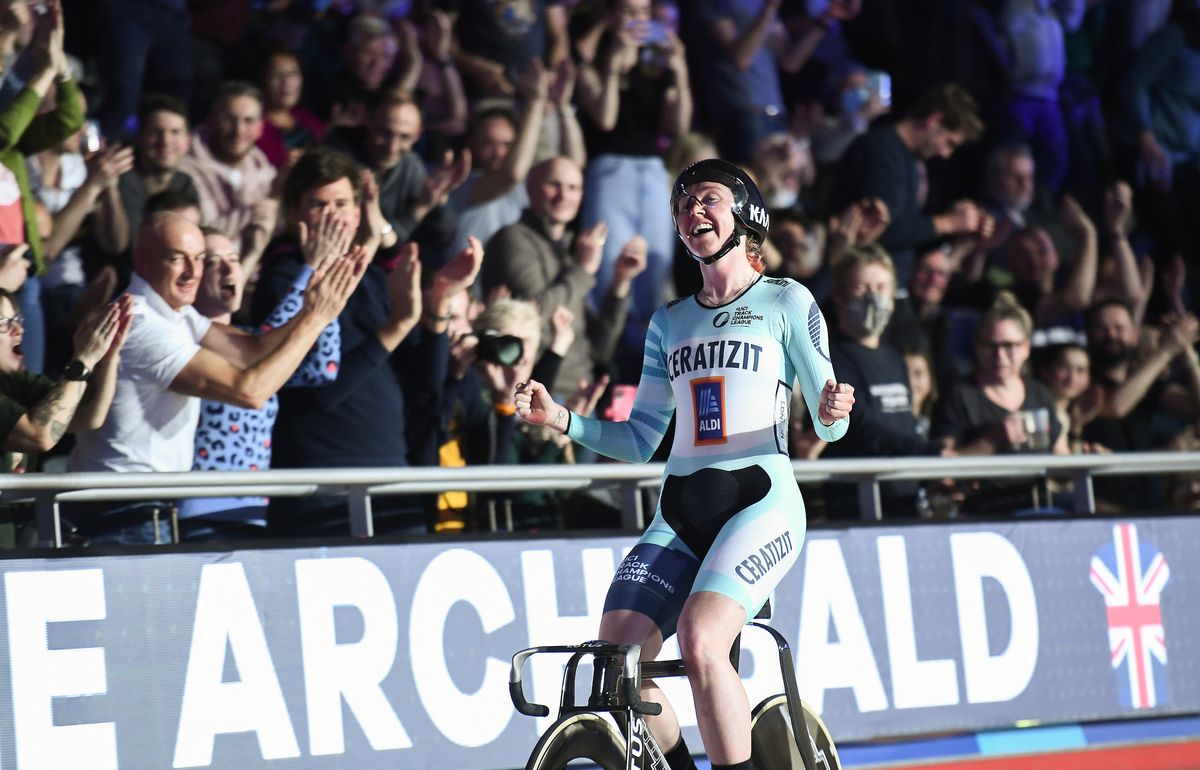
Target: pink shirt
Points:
(12, 218)
(228, 194)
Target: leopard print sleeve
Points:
(320, 366)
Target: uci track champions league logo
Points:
(1131, 574)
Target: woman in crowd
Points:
(288, 129)
(1001, 409)
(633, 91)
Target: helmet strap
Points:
(729, 246)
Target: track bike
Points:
(609, 730)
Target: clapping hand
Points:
(589, 247)
(105, 167)
(14, 266)
(373, 220)
(587, 395)
(459, 271)
(1073, 217)
(404, 285)
(875, 220)
(446, 178)
(94, 337)
(631, 261)
(562, 321)
(1118, 205)
(533, 82)
(330, 239)
(563, 85)
(328, 292)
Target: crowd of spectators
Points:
(241, 234)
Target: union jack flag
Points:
(1130, 574)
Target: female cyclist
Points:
(730, 520)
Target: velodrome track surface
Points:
(1152, 744)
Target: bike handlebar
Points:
(632, 656)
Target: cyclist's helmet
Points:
(749, 209)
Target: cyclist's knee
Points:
(706, 632)
(631, 627)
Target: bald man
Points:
(174, 356)
(540, 260)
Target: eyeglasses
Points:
(8, 322)
(710, 200)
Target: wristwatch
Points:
(77, 371)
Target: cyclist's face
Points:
(704, 217)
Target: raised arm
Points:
(330, 239)
(1118, 205)
(58, 411)
(1077, 293)
(534, 86)
(439, 43)
(741, 49)
(677, 104)
(571, 142)
(210, 376)
(793, 54)
(98, 191)
(92, 413)
(600, 80)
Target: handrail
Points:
(359, 484)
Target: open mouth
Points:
(18, 350)
(701, 229)
(228, 290)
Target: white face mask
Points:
(783, 198)
(869, 314)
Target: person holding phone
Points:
(635, 93)
(722, 362)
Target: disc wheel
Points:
(773, 741)
(579, 736)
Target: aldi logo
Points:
(1131, 574)
(708, 406)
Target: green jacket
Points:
(23, 132)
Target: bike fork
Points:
(643, 752)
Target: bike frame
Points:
(616, 690)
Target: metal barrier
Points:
(359, 484)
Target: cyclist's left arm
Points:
(805, 339)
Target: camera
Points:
(497, 348)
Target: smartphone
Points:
(656, 33)
(880, 84)
(91, 137)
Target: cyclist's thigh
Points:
(653, 581)
(756, 547)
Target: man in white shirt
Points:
(174, 356)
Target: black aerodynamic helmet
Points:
(749, 208)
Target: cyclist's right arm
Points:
(635, 439)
